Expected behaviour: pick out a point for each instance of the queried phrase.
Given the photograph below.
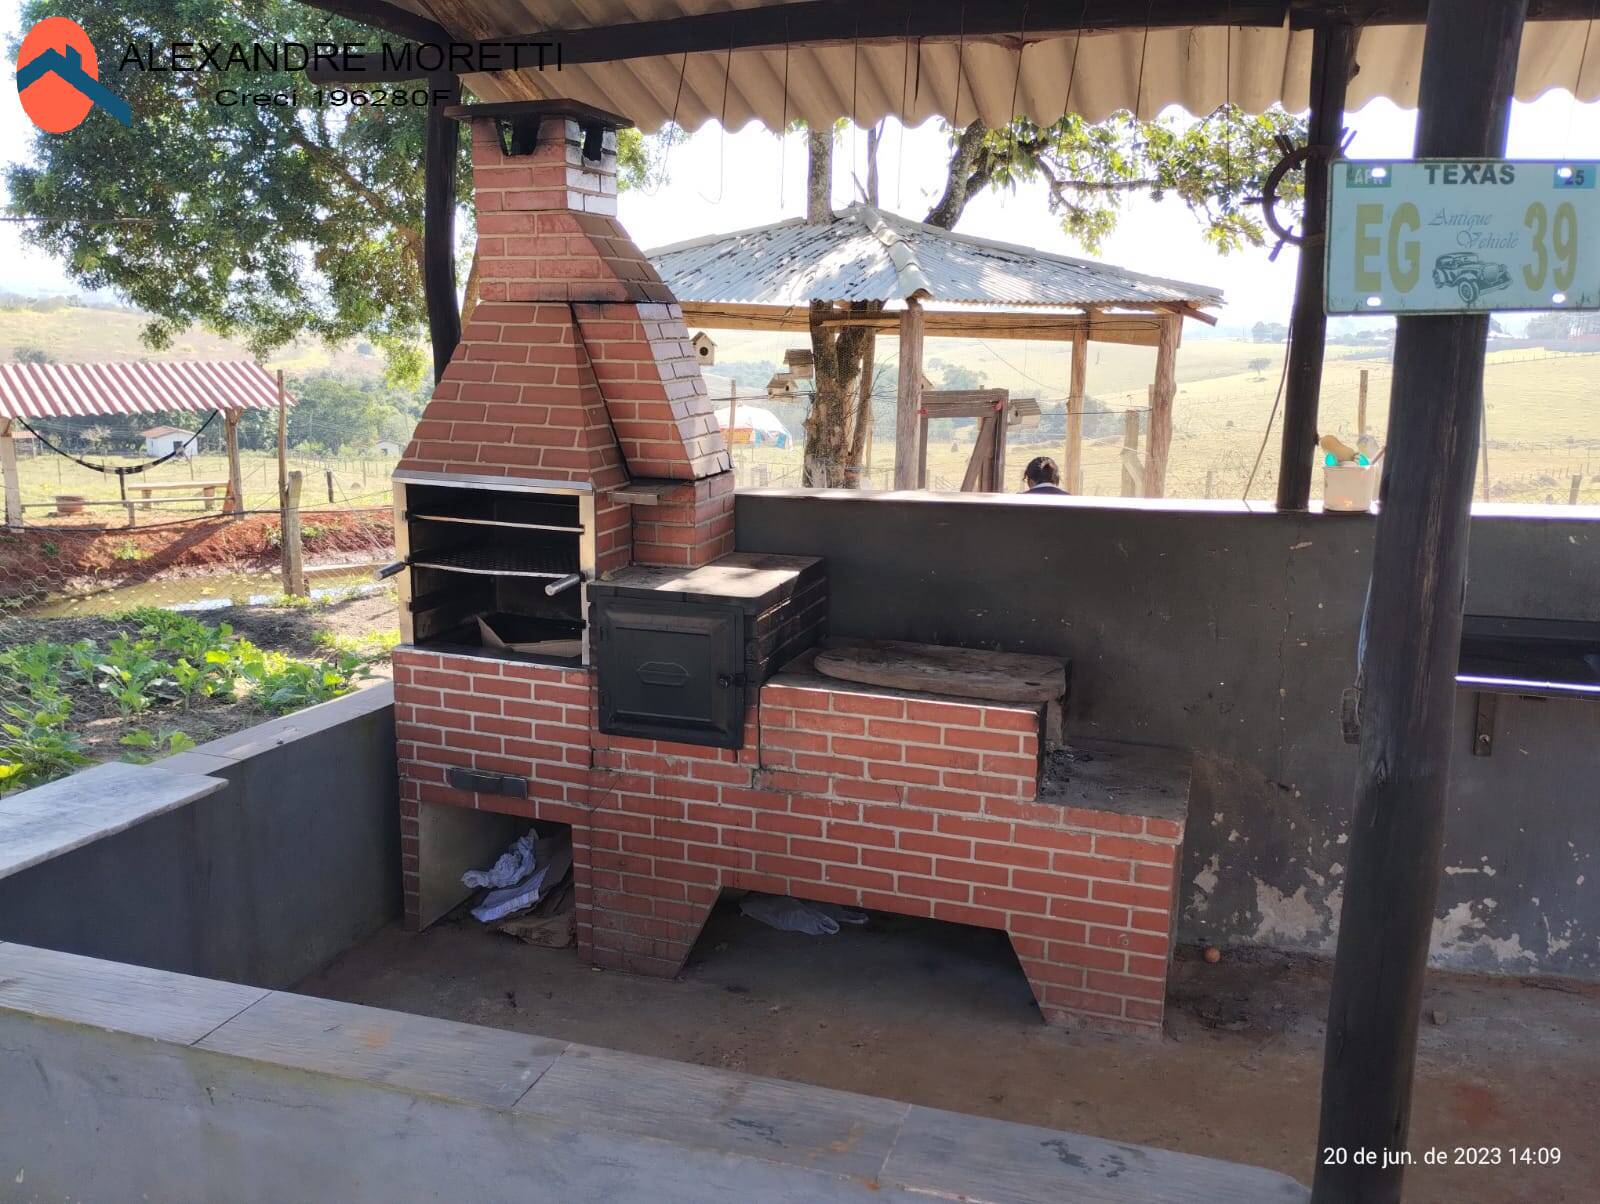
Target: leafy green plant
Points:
(37, 746)
(128, 550)
(128, 674)
(149, 745)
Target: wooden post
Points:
(8, 467)
(230, 432)
(1162, 393)
(1130, 443)
(1332, 51)
(1361, 406)
(1073, 468)
(329, 474)
(1413, 645)
(441, 141)
(283, 441)
(1577, 488)
(1483, 438)
(861, 440)
(294, 568)
(1211, 483)
(908, 397)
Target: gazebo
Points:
(903, 277)
(45, 391)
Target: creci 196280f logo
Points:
(58, 78)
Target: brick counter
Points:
(908, 804)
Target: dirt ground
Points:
(84, 551)
(940, 1015)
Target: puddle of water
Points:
(203, 593)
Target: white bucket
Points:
(1349, 488)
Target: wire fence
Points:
(1541, 438)
(139, 617)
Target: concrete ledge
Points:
(254, 858)
(51, 820)
(309, 1099)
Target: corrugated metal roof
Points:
(957, 80)
(865, 254)
(80, 390)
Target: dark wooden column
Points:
(1413, 643)
(440, 151)
(1332, 54)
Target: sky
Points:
(720, 181)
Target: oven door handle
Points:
(562, 584)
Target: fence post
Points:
(1130, 443)
(1361, 406)
(294, 569)
(328, 472)
(13, 482)
(1577, 486)
(1211, 482)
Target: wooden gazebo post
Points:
(1162, 393)
(1332, 56)
(908, 397)
(230, 430)
(1413, 646)
(8, 467)
(1073, 468)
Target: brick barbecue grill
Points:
(583, 646)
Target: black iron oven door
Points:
(670, 671)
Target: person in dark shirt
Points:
(1041, 476)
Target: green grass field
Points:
(74, 334)
(356, 482)
(1542, 412)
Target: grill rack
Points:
(490, 561)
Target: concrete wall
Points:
(264, 881)
(130, 1084)
(1232, 631)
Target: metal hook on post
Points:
(1293, 157)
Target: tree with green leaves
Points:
(263, 223)
(1213, 166)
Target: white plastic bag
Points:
(799, 915)
(515, 864)
(546, 862)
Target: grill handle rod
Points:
(388, 570)
(562, 584)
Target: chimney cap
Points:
(536, 110)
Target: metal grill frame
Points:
(587, 556)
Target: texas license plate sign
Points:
(1445, 236)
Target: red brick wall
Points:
(922, 807)
(692, 525)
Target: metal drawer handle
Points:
(662, 673)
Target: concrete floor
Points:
(940, 1015)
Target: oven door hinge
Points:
(724, 680)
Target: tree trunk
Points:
(861, 429)
(819, 173)
(836, 369)
(874, 141)
(963, 179)
(469, 299)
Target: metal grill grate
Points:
(501, 561)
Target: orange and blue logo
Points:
(58, 77)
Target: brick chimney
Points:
(575, 365)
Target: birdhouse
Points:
(705, 350)
(800, 361)
(781, 385)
